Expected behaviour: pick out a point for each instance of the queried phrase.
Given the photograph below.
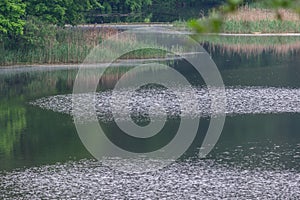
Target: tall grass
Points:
(48, 44)
(62, 45)
(279, 46)
(249, 20)
(250, 13)
(262, 26)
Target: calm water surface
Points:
(257, 155)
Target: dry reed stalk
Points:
(246, 13)
(256, 49)
(92, 37)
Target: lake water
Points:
(257, 155)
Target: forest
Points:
(34, 31)
(15, 13)
(28, 26)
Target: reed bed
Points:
(60, 46)
(73, 45)
(279, 46)
(248, 13)
(262, 26)
(248, 19)
(259, 20)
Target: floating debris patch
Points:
(184, 102)
(203, 179)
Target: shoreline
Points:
(122, 62)
(160, 29)
(257, 34)
(128, 26)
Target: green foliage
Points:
(145, 53)
(136, 5)
(31, 31)
(55, 45)
(38, 38)
(60, 11)
(149, 10)
(124, 5)
(37, 34)
(11, 14)
(47, 44)
(232, 5)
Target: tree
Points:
(136, 5)
(11, 17)
(60, 12)
(128, 5)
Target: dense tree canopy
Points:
(60, 11)
(13, 13)
(11, 16)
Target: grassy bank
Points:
(74, 47)
(262, 26)
(252, 19)
(48, 44)
(252, 45)
(45, 44)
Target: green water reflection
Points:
(13, 121)
(30, 136)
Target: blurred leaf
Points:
(197, 26)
